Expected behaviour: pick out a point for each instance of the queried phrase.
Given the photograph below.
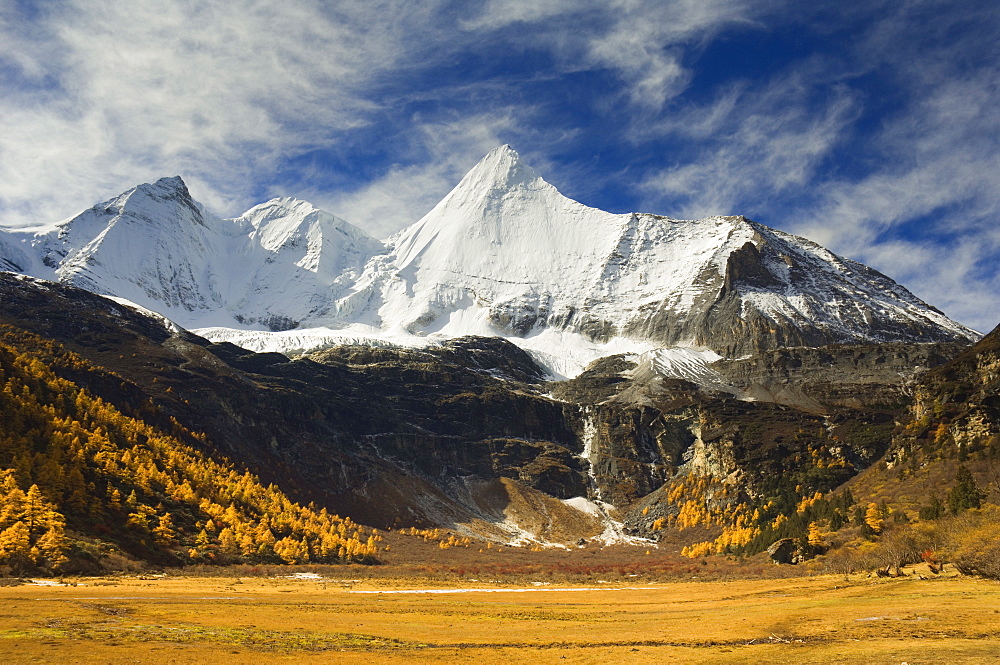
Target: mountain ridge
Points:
(467, 436)
(503, 254)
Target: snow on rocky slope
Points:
(276, 265)
(506, 252)
(503, 254)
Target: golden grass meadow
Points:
(324, 619)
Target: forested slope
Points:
(83, 483)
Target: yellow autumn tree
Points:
(69, 456)
(32, 533)
(873, 517)
(815, 536)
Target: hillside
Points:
(954, 421)
(82, 484)
(466, 435)
(933, 494)
(124, 424)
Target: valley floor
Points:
(311, 618)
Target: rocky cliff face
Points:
(953, 419)
(644, 437)
(959, 402)
(466, 433)
(861, 376)
(777, 291)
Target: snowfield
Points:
(503, 254)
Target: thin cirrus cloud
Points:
(753, 146)
(869, 127)
(115, 92)
(924, 210)
(887, 153)
(927, 214)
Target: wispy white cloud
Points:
(940, 167)
(947, 276)
(642, 42)
(105, 95)
(220, 92)
(126, 91)
(926, 212)
(752, 145)
(646, 41)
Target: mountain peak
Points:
(171, 182)
(281, 207)
(283, 219)
(500, 203)
(503, 253)
(143, 202)
(501, 152)
(499, 171)
(165, 188)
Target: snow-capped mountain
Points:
(15, 257)
(503, 254)
(279, 263)
(506, 253)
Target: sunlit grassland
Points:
(224, 620)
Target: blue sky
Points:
(870, 127)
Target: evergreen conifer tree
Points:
(965, 494)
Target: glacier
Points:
(503, 254)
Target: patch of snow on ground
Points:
(167, 323)
(562, 354)
(584, 505)
(519, 537)
(694, 365)
(304, 576)
(306, 340)
(566, 354)
(614, 531)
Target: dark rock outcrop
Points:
(862, 376)
(784, 551)
(420, 436)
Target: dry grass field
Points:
(820, 619)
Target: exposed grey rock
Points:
(783, 551)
